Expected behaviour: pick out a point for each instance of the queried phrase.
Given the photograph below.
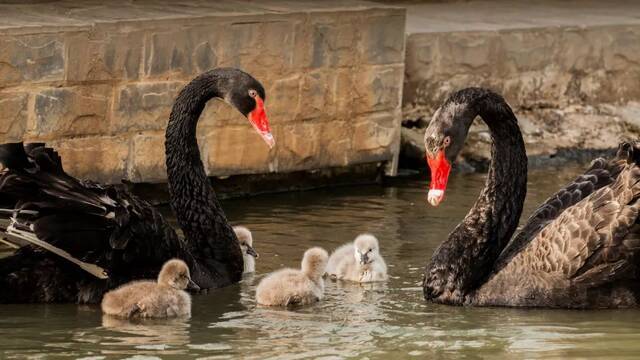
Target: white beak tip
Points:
(435, 196)
(268, 138)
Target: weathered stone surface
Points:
(300, 147)
(100, 158)
(382, 43)
(105, 53)
(147, 159)
(235, 150)
(258, 46)
(182, 52)
(284, 98)
(384, 86)
(316, 96)
(375, 132)
(34, 58)
(13, 116)
(333, 44)
(144, 106)
(102, 79)
(80, 110)
(530, 67)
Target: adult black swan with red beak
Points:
(579, 249)
(83, 238)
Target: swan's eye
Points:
(253, 93)
(446, 141)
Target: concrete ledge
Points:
(97, 81)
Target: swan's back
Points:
(590, 248)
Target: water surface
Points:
(389, 320)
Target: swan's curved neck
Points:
(466, 258)
(192, 198)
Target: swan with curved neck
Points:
(549, 263)
(193, 200)
(106, 228)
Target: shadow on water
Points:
(376, 321)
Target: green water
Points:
(383, 321)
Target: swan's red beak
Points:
(260, 122)
(440, 168)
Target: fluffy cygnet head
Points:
(245, 238)
(246, 241)
(175, 273)
(314, 262)
(366, 249)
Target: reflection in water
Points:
(379, 320)
(167, 336)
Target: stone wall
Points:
(101, 91)
(572, 87)
(539, 67)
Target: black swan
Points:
(578, 250)
(113, 236)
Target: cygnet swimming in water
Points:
(289, 287)
(249, 255)
(148, 299)
(359, 261)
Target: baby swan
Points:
(359, 261)
(290, 287)
(149, 299)
(249, 255)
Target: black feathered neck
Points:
(193, 200)
(462, 263)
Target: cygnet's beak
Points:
(252, 252)
(192, 286)
(364, 259)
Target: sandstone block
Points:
(105, 53)
(79, 110)
(182, 52)
(577, 53)
(334, 44)
(315, 95)
(144, 106)
(13, 117)
(147, 160)
(299, 144)
(100, 158)
(384, 38)
(379, 88)
(376, 132)
(466, 52)
(283, 97)
(529, 49)
(335, 142)
(624, 51)
(235, 150)
(33, 58)
(218, 113)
